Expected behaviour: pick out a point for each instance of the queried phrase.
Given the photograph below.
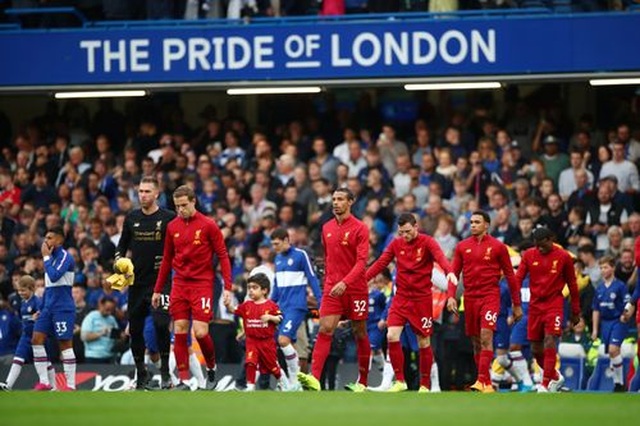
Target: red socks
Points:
(397, 359)
(426, 361)
(364, 353)
(251, 370)
(486, 356)
(320, 354)
(181, 352)
(550, 372)
(206, 346)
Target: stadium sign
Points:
(321, 51)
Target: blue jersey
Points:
(293, 273)
(636, 292)
(9, 332)
(58, 280)
(610, 300)
(377, 305)
(27, 309)
(505, 298)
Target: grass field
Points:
(310, 409)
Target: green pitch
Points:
(310, 409)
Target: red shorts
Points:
(481, 313)
(264, 354)
(350, 306)
(191, 302)
(544, 321)
(638, 315)
(418, 313)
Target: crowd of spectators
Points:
(97, 10)
(67, 168)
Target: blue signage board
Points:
(325, 50)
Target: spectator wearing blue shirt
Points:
(99, 332)
(294, 273)
(9, 332)
(608, 320)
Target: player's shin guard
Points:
(426, 361)
(206, 346)
(483, 366)
(397, 359)
(14, 372)
(69, 366)
(364, 353)
(293, 362)
(40, 361)
(251, 370)
(181, 352)
(320, 354)
(52, 376)
(616, 367)
(549, 366)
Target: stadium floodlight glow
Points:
(273, 90)
(614, 81)
(101, 94)
(454, 86)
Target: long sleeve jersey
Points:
(414, 265)
(548, 274)
(144, 235)
(346, 249)
(482, 261)
(58, 280)
(189, 248)
(636, 292)
(293, 273)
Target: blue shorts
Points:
(24, 349)
(613, 332)
(376, 336)
(291, 320)
(519, 332)
(149, 333)
(58, 324)
(502, 334)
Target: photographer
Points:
(100, 332)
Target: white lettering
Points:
(294, 46)
(119, 55)
(138, 50)
(199, 48)
(393, 48)
(218, 62)
(487, 46)
(418, 57)
(234, 61)
(336, 60)
(173, 49)
(261, 49)
(313, 43)
(444, 47)
(91, 46)
(376, 49)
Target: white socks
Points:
(293, 363)
(14, 372)
(520, 368)
(69, 365)
(387, 374)
(52, 376)
(172, 369)
(616, 366)
(435, 378)
(40, 361)
(378, 361)
(196, 370)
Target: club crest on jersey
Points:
(612, 296)
(290, 262)
(487, 254)
(345, 239)
(419, 254)
(176, 235)
(467, 251)
(554, 267)
(196, 238)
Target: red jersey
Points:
(189, 247)
(251, 312)
(482, 263)
(414, 264)
(548, 273)
(346, 250)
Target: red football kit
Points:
(548, 274)
(346, 250)
(261, 348)
(412, 301)
(188, 249)
(482, 262)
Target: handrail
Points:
(19, 12)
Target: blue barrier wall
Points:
(322, 50)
